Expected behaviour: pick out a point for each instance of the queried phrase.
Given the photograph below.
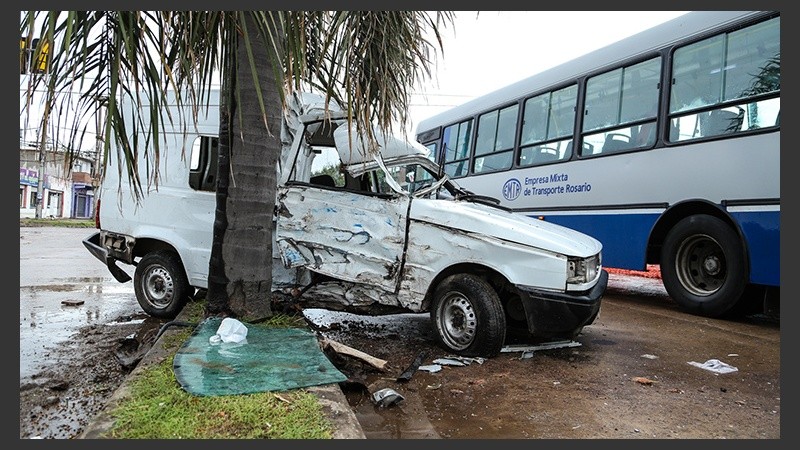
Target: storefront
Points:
(82, 201)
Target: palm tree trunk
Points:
(241, 258)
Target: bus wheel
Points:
(160, 284)
(468, 316)
(703, 266)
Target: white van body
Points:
(359, 233)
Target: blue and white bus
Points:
(665, 146)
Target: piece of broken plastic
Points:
(715, 365)
(386, 397)
(230, 331)
(431, 368)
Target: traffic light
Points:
(23, 55)
(33, 59)
(39, 61)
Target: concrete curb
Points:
(334, 403)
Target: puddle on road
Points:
(45, 322)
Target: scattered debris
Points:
(409, 372)
(545, 346)
(649, 356)
(283, 399)
(230, 331)
(72, 302)
(431, 368)
(643, 380)
(342, 349)
(467, 360)
(733, 354)
(449, 362)
(433, 386)
(456, 391)
(386, 397)
(715, 365)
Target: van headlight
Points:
(583, 270)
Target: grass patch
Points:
(158, 408)
(69, 223)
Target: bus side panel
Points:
(624, 236)
(761, 231)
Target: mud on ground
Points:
(59, 401)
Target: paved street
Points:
(630, 377)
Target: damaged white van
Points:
(362, 234)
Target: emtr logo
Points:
(511, 189)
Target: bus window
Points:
(495, 140)
(547, 126)
(622, 105)
(432, 151)
(456, 141)
(744, 63)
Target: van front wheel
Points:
(468, 316)
(160, 284)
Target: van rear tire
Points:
(160, 284)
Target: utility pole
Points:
(38, 62)
(42, 165)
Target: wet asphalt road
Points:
(637, 319)
(55, 267)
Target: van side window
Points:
(203, 164)
(325, 168)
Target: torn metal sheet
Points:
(468, 359)
(545, 346)
(449, 362)
(430, 368)
(386, 397)
(458, 361)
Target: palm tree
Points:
(367, 60)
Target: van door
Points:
(347, 234)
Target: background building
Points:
(68, 189)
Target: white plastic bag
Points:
(231, 331)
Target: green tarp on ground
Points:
(271, 359)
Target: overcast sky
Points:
(486, 51)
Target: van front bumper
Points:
(92, 243)
(561, 315)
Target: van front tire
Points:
(160, 284)
(468, 316)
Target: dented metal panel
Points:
(432, 249)
(346, 235)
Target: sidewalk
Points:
(331, 397)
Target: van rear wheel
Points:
(468, 316)
(160, 284)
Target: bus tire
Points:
(160, 284)
(468, 317)
(703, 266)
